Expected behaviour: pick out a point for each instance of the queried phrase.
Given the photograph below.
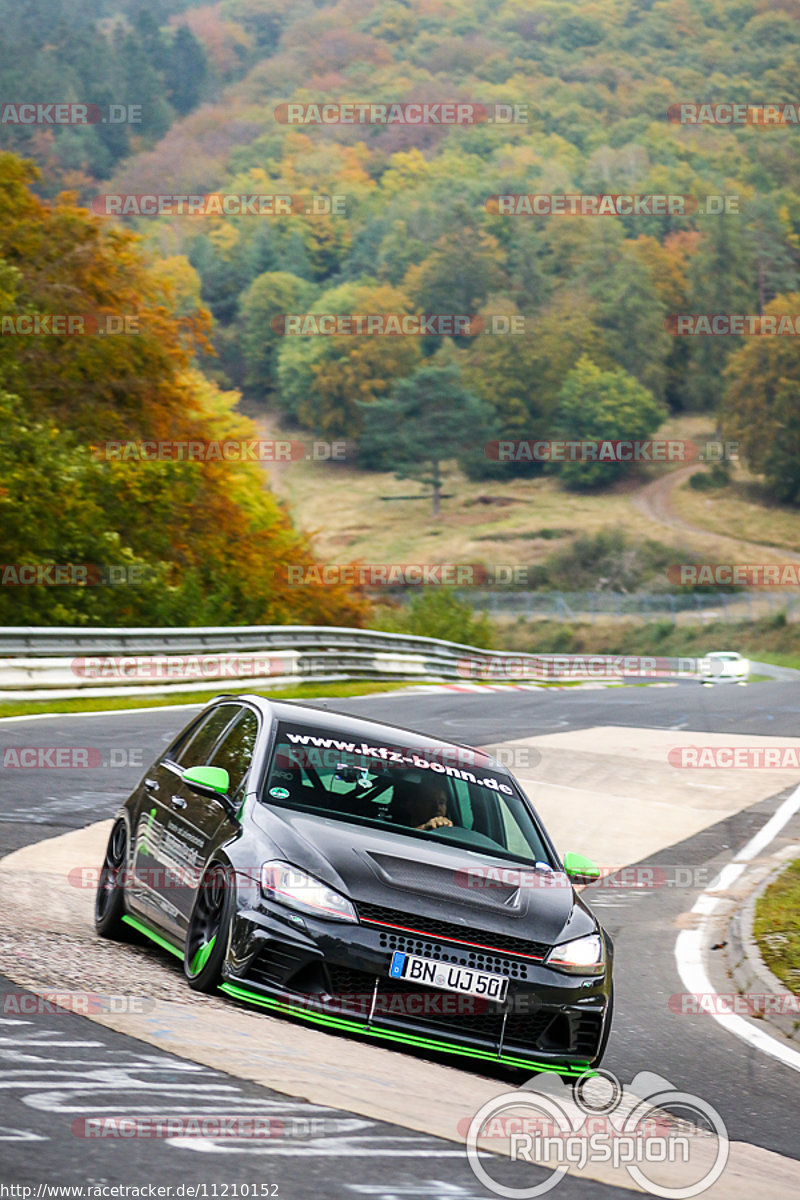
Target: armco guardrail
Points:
(64, 662)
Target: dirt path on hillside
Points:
(275, 469)
(654, 501)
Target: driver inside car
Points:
(421, 805)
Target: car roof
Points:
(331, 721)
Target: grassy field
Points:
(742, 510)
(514, 521)
(353, 515)
(777, 927)
(490, 523)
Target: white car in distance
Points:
(724, 666)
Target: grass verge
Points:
(303, 691)
(309, 691)
(776, 927)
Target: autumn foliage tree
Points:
(215, 541)
(324, 378)
(270, 296)
(761, 405)
(603, 406)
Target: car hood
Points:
(429, 878)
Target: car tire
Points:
(601, 1049)
(209, 926)
(109, 903)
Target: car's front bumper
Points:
(337, 974)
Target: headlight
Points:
(583, 956)
(287, 885)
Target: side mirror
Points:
(580, 869)
(208, 781)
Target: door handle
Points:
(151, 785)
(179, 802)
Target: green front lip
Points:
(580, 1067)
(393, 1035)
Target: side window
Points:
(195, 751)
(235, 751)
(174, 751)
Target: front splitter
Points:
(238, 992)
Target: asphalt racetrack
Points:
(353, 1119)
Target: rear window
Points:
(447, 793)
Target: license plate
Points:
(447, 976)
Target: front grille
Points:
(449, 931)
(480, 960)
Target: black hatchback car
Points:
(364, 878)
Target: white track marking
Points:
(689, 945)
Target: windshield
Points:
(439, 793)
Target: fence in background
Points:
(679, 607)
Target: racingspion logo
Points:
(600, 1121)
